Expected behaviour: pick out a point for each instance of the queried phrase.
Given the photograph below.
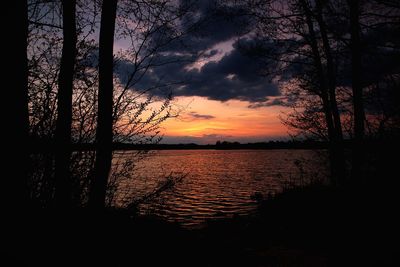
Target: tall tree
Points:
(104, 132)
(16, 85)
(131, 121)
(330, 66)
(327, 92)
(358, 105)
(64, 106)
(331, 84)
(294, 35)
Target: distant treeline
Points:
(227, 145)
(43, 146)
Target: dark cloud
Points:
(235, 76)
(198, 116)
(206, 25)
(241, 73)
(194, 116)
(274, 101)
(155, 77)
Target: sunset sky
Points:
(206, 121)
(219, 90)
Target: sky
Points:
(218, 89)
(206, 121)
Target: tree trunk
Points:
(15, 84)
(358, 106)
(63, 192)
(334, 156)
(104, 132)
(331, 75)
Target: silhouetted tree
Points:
(64, 106)
(15, 14)
(330, 67)
(338, 146)
(293, 35)
(156, 26)
(326, 84)
(358, 103)
(313, 48)
(137, 114)
(104, 132)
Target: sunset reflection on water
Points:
(219, 183)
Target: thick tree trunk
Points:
(334, 155)
(16, 123)
(64, 119)
(331, 76)
(104, 133)
(358, 105)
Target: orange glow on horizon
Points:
(203, 117)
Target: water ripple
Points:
(219, 183)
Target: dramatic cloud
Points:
(208, 25)
(225, 72)
(234, 76)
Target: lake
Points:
(217, 183)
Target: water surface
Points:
(218, 183)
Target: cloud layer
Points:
(225, 73)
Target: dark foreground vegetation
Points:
(306, 225)
(313, 226)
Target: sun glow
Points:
(234, 118)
